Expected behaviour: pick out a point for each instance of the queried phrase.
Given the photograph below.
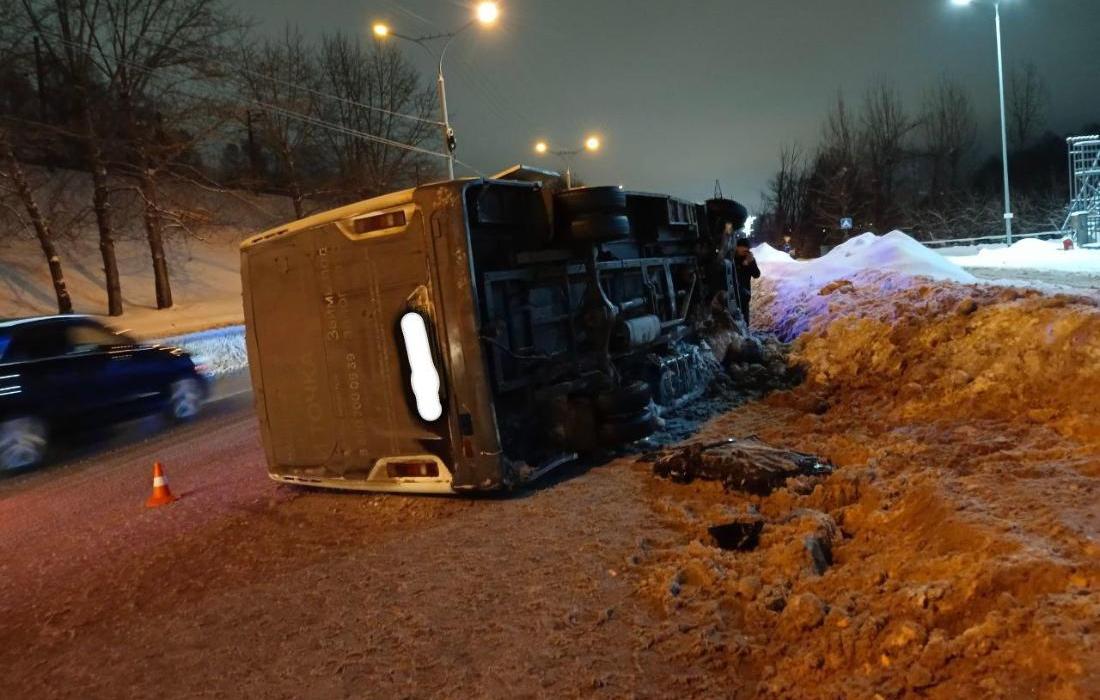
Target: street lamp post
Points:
(486, 14)
(591, 145)
(1004, 121)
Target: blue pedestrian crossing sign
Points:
(846, 224)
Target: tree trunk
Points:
(296, 196)
(148, 187)
(41, 228)
(101, 204)
(154, 233)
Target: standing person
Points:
(745, 270)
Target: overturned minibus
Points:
(473, 334)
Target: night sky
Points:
(685, 92)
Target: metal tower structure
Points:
(1084, 187)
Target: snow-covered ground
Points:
(1030, 254)
(1043, 265)
(205, 275)
(203, 260)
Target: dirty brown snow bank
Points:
(963, 513)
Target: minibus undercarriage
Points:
(474, 334)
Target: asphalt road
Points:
(230, 398)
(248, 588)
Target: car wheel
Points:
(23, 443)
(185, 399)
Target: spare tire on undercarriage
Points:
(599, 228)
(590, 200)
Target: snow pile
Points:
(941, 351)
(894, 252)
(222, 350)
(765, 254)
(961, 519)
(1033, 254)
(877, 308)
(792, 289)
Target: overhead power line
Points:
(304, 118)
(231, 70)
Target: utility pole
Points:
(1004, 125)
(486, 14)
(1001, 90)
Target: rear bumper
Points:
(379, 480)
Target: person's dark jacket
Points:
(745, 274)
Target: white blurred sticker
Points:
(425, 377)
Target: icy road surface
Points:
(244, 588)
(1078, 282)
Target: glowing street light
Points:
(488, 12)
(1004, 123)
(592, 144)
(485, 14)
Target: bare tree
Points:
(143, 49)
(277, 78)
(66, 29)
(950, 133)
(787, 196)
(883, 137)
(836, 182)
(962, 215)
(382, 79)
(1027, 105)
(12, 170)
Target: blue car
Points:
(63, 374)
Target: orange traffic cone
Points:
(161, 495)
